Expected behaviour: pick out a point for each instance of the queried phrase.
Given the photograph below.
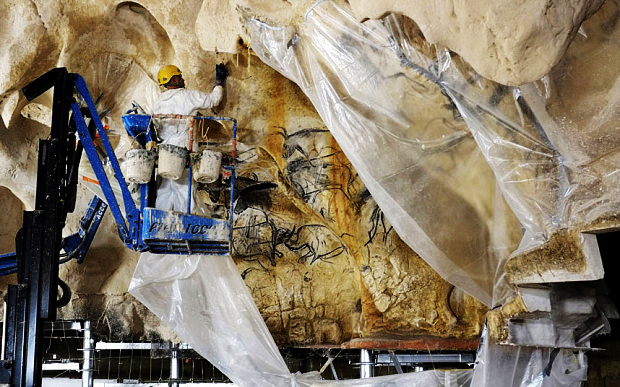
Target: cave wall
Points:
(323, 263)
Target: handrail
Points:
(192, 118)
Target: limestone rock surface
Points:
(323, 263)
(506, 41)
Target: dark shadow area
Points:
(604, 365)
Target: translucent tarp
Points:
(527, 366)
(432, 140)
(426, 136)
(397, 128)
(206, 302)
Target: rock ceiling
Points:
(323, 261)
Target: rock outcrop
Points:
(323, 262)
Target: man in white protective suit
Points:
(176, 99)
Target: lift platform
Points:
(146, 228)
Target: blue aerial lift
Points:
(147, 228)
(142, 228)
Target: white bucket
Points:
(138, 165)
(206, 166)
(172, 161)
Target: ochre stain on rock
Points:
(276, 129)
(497, 319)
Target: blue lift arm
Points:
(75, 246)
(132, 213)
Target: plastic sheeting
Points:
(397, 127)
(527, 366)
(206, 302)
(415, 125)
(430, 139)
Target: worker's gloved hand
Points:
(220, 74)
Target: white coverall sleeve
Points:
(201, 100)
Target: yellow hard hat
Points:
(167, 72)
